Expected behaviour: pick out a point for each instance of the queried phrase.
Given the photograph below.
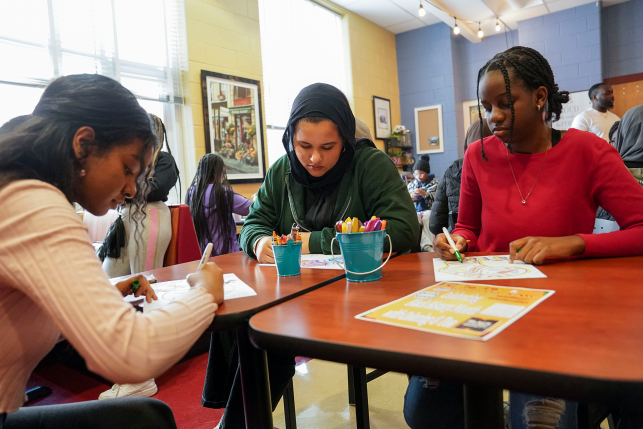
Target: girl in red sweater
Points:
(531, 192)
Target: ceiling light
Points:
(497, 25)
(422, 12)
(456, 29)
(480, 33)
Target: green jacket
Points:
(371, 186)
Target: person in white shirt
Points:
(598, 119)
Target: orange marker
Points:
(383, 224)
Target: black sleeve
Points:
(165, 176)
(440, 209)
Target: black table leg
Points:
(482, 407)
(254, 383)
(361, 397)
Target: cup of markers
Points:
(362, 246)
(287, 252)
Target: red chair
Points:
(184, 246)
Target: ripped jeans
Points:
(439, 404)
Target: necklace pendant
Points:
(524, 202)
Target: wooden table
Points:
(585, 342)
(271, 290)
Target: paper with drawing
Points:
(169, 291)
(492, 267)
(465, 310)
(318, 261)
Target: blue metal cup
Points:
(362, 253)
(288, 258)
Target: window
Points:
(301, 43)
(140, 43)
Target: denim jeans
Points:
(434, 404)
(537, 412)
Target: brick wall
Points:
(623, 39)
(425, 70)
(571, 42)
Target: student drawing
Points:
(321, 263)
(481, 271)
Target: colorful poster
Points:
(491, 267)
(464, 310)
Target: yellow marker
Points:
(344, 228)
(362, 229)
(355, 225)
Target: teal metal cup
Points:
(363, 253)
(288, 258)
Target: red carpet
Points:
(180, 388)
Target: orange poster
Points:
(463, 310)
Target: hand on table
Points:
(535, 250)
(444, 250)
(125, 287)
(209, 278)
(263, 251)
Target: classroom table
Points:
(271, 290)
(582, 343)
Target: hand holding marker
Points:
(452, 244)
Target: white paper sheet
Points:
(166, 292)
(493, 267)
(317, 261)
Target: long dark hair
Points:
(209, 172)
(534, 71)
(41, 147)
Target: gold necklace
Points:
(524, 199)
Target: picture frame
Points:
(232, 119)
(429, 135)
(470, 112)
(382, 116)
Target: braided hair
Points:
(534, 71)
(209, 172)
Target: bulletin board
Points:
(429, 136)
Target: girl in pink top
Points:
(88, 141)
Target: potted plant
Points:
(397, 135)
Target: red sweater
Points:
(579, 174)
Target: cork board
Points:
(428, 129)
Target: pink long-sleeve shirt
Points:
(51, 282)
(578, 174)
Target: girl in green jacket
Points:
(327, 175)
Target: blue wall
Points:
(571, 42)
(623, 43)
(437, 67)
(425, 73)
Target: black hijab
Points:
(321, 100)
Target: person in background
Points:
(212, 203)
(87, 142)
(123, 254)
(598, 119)
(444, 212)
(422, 190)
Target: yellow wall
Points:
(223, 37)
(373, 62)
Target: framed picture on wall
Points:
(232, 124)
(429, 136)
(382, 112)
(470, 112)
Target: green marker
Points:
(135, 285)
(452, 244)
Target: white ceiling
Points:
(399, 16)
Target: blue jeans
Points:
(439, 404)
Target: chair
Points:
(184, 245)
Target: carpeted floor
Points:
(180, 388)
